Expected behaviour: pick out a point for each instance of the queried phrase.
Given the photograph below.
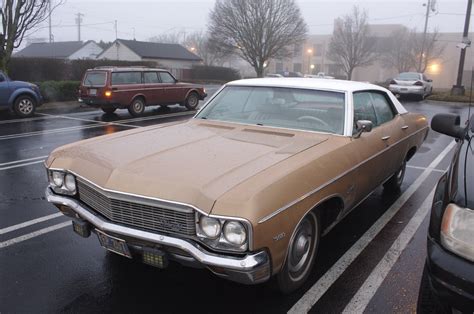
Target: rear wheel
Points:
(301, 254)
(395, 182)
(192, 101)
(108, 110)
(137, 107)
(24, 106)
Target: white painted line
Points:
(29, 223)
(368, 289)
(424, 168)
(22, 165)
(52, 131)
(94, 121)
(22, 160)
(24, 120)
(33, 234)
(325, 282)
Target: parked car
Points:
(447, 284)
(273, 75)
(20, 97)
(249, 185)
(319, 75)
(411, 83)
(111, 88)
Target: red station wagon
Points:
(112, 88)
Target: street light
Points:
(310, 53)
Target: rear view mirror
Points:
(449, 124)
(363, 126)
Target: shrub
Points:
(59, 90)
(214, 73)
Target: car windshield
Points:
(302, 109)
(408, 76)
(94, 79)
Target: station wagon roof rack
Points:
(127, 68)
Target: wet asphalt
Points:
(59, 271)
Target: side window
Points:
(121, 78)
(166, 78)
(363, 108)
(150, 77)
(383, 109)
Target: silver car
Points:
(411, 83)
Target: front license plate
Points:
(113, 244)
(93, 92)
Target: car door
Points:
(152, 88)
(170, 88)
(4, 90)
(126, 85)
(395, 130)
(370, 150)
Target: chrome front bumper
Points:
(409, 89)
(250, 269)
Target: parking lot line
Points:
(34, 234)
(29, 223)
(21, 160)
(52, 131)
(368, 289)
(423, 168)
(22, 165)
(325, 282)
(94, 121)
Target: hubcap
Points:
(25, 106)
(137, 106)
(301, 250)
(192, 101)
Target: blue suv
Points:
(21, 97)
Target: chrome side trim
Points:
(247, 263)
(319, 188)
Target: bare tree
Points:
(198, 43)
(170, 38)
(18, 17)
(404, 49)
(257, 31)
(351, 45)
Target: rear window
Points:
(408, 76)
(119, 78)
(95, 79)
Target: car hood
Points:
(192, 163)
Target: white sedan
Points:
(411, 83)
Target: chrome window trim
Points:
(327, 183)
(165, 204)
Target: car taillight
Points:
(418, 83)
(393, 82)
(108, 93)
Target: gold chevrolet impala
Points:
(246, 188)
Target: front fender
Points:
(23, 91)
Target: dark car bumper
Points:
(451, 277)
(203, 96)
(97, 103)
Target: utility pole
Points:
(78, 22)
(49, 22)
(422, 52)
(458, 89)
(115, 27)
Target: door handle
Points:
(404, 127)
(385, 138)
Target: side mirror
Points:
(363, 126)
(449, 124)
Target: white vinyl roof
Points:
(319, 84)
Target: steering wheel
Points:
(314, 119)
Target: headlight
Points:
(457, 231)
(58, 178)
(224, 234)
(70, 183)
(62, 182)
(235, 233)
(211, 227)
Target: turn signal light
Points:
(108, 93)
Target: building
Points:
(173, 57)
(312, 57)
(71, 50)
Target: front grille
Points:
(118, 209)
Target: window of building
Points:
(279, 67)
(297, 67)
(318, 50)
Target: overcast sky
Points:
(152, 17)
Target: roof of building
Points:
(160, 51)
(61, 49)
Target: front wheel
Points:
(301, 254)
(192, 101)
(137, 107)
(24, 106)
(395, 182)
